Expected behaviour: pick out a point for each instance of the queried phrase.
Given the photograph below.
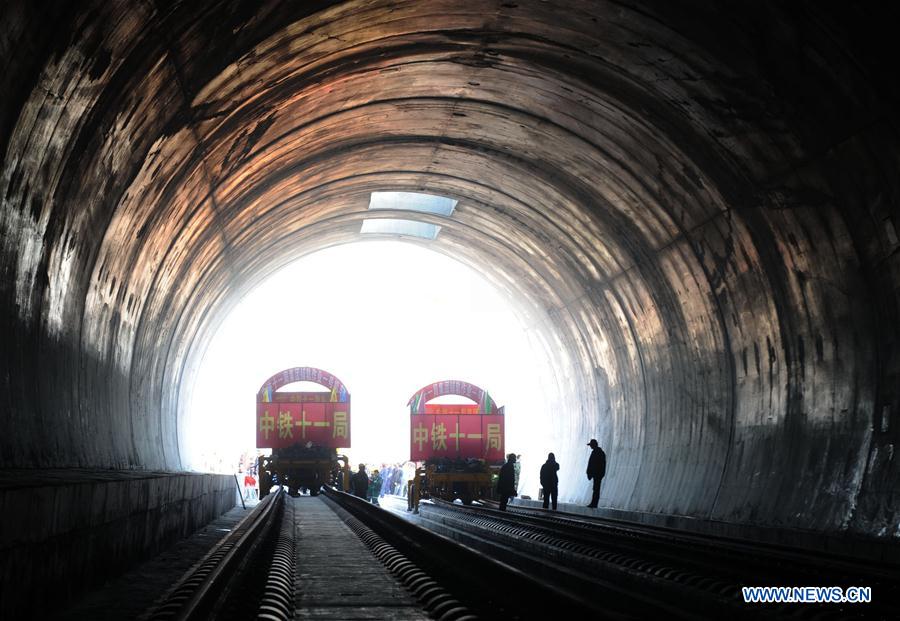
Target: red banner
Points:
(298, 397)
(420, 437)
(442, 445)
(456, 436)
(417, 403)
(266, 419)
(279, 425)
(470, 436)
(493, 430)
(451, 408)
(268, 390)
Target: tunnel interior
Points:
(695, 208)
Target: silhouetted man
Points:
(375, 487)
(359, 482)
(596, 470)
(506, 484)
(550, 480)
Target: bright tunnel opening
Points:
(386, 318)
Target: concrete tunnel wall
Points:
(695, 209)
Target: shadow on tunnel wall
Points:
(701, 204)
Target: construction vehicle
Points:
(304, 431)
(460, 446)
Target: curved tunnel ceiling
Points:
(697, 209)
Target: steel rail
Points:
(195, 595)
(435, 600)
(277, 601)
(635, 582)
(491, 588)
(739, 560)
(718, 566)
(718, 546)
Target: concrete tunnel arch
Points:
(696, 211)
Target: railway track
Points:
(773, 562)
(698, 576)
(462, 563)
(228, 582)
(489, 588)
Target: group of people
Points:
(392, 477)
(508, 481)
(390, 481)
(387, 481)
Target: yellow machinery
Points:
(435, 481)
(304, 429)
(461, 444)
(298, 470)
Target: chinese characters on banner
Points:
(450, 408)
(284, 424)
(268, 392)
(450, 387)
(456, 436)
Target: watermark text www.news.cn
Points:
(806, 595)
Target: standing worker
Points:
(506, 484)
(596, 470)
(550, 480)
(359, 482)
(375, 487)
(337, 479)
